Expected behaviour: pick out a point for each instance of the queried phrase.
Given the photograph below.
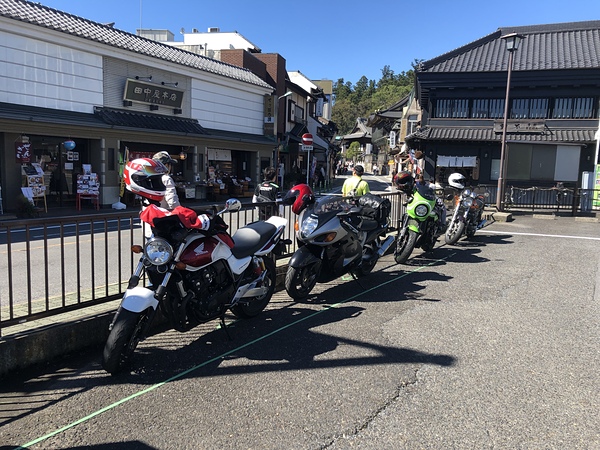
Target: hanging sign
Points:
(23, 152)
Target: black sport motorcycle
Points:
(336, 236)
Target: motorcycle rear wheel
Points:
(249, 308)
(454, 231)
(405, 246)
(300, 281)
(123, 339)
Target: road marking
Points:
(222, 356)
(544, 235)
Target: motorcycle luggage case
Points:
(375, 207)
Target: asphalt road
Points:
(492, 343)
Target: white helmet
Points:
(457, 180)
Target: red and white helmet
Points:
(299, 197)
(143, 176)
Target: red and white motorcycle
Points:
(195, 270)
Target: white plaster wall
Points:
(44, 68)
(47, 75)
(228, 108)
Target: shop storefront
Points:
(56, 162)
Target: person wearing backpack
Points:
(267, 191)
(355, 186)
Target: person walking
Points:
(267, 191)
(355, 186)
(171, 199)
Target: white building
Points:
(66, 78)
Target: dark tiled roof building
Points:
(552, 110)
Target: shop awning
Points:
(132, 119)
(487, 134)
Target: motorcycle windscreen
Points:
(426, 192)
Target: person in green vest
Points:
(355, 186)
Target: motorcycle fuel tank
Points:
(199, 253)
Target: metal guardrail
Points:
(49, 266)
(539, 199)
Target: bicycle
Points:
(509, 200)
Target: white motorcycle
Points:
(196, 272)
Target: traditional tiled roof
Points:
(132, 119)
(10, 111)
(572, 45)
(571, 135)
(43, 16)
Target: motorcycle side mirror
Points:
(233, 205)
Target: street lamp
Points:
(512, 42)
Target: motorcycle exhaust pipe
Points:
(386, 244)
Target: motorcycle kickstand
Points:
(224, 327)
(357, 280)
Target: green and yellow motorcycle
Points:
(424, 220)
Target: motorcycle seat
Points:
(368, 224)
(251, 238)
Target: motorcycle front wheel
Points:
(454, 231)
(254, 306)
(300, 281)
(405, 246)
(368, 263)
(124, 337)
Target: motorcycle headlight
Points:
(421, 210)
(309, 225)
(158, 251)
(467, 193)
(467, 202)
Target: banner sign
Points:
(23, 152)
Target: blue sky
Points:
(332, 39)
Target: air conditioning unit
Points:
(214, 30)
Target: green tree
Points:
(353, 151)
(368, 96)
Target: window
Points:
(573, 108)
(529, 108)
(299, 114)
(481, 109)
(459, 108)
(452, 108)
(538, 109)
(412, 123)
(496, 108)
